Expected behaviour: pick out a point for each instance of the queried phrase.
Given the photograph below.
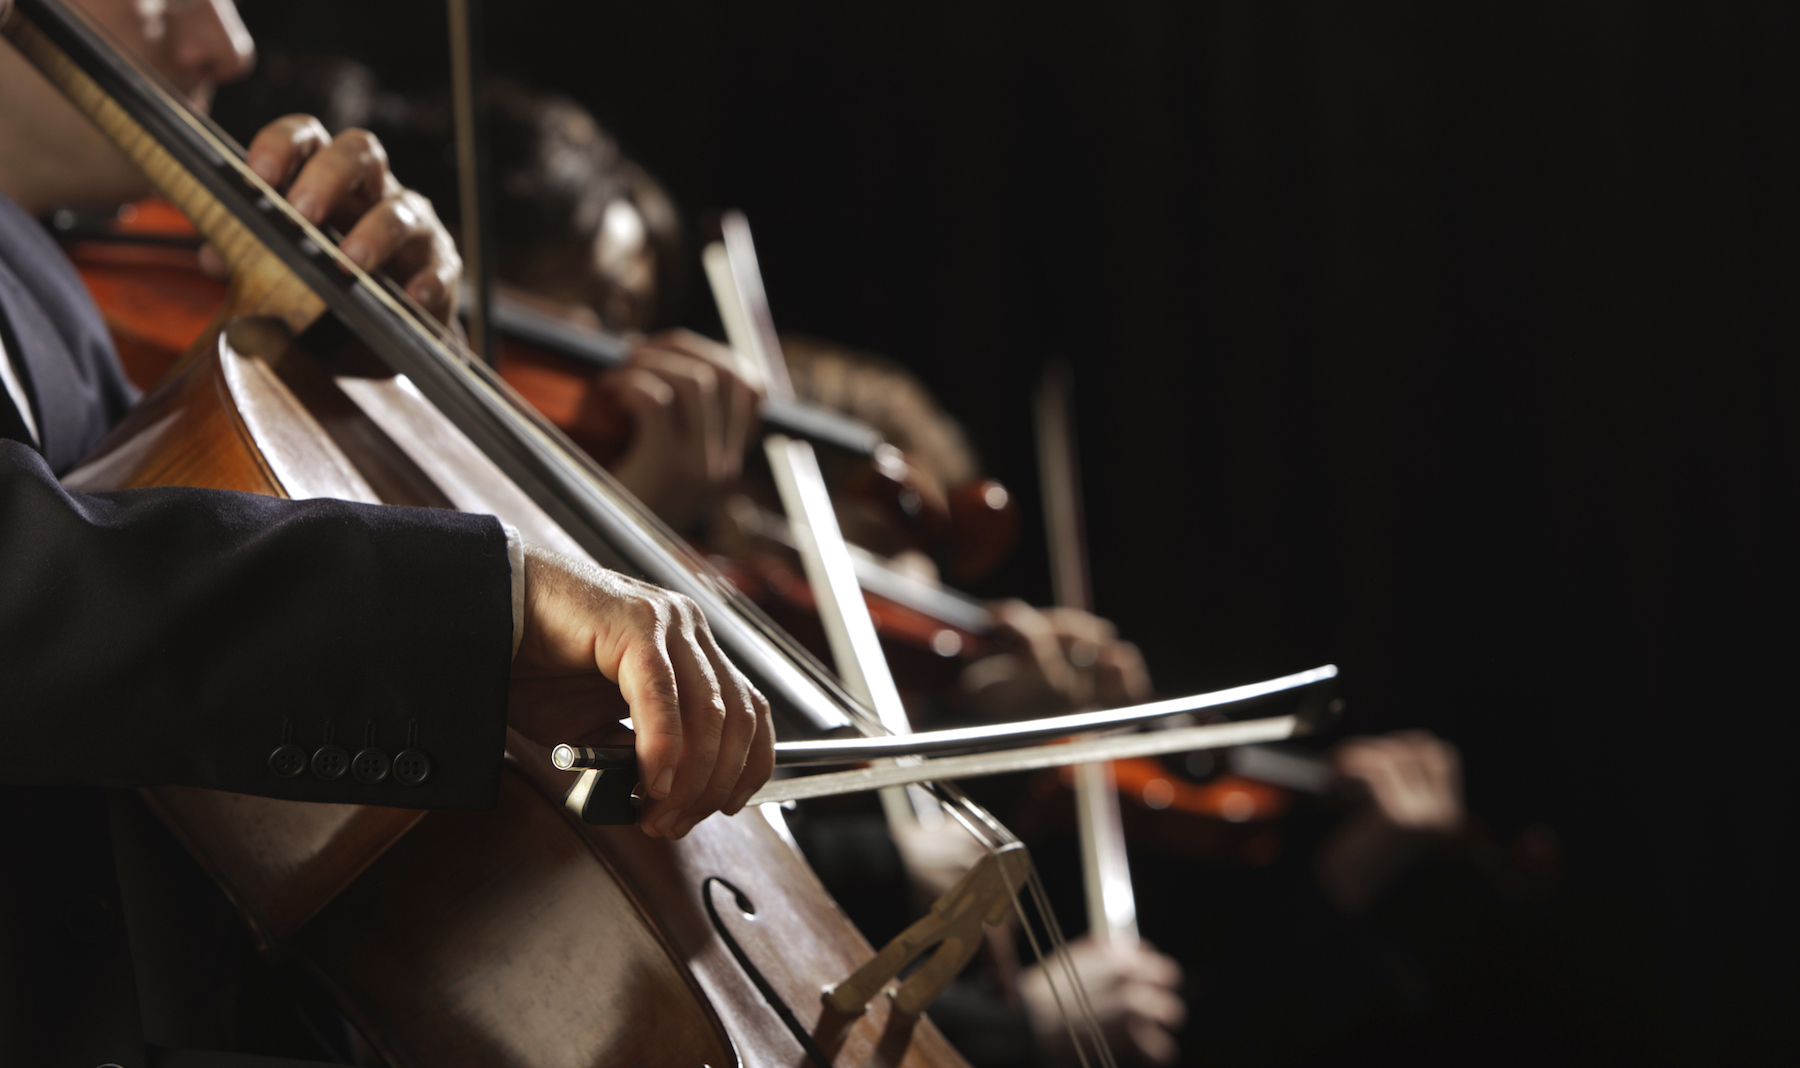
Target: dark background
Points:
(1452, 343)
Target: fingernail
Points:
(667, 823)
(356, 252)
(665, 780)
(307, 205)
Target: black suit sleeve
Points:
(179, 636)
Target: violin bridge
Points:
(980, 898)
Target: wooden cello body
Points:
(519, 936)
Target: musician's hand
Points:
(1134, 991)
(935, 858)
(345, 181)
(597, 644)
(692, 415)
(1415, 802)
(1060, 659)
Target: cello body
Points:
(516, 937)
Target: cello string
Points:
(993, 836)
(1057, 960)
(1065, 962)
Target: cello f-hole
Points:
(741, 901)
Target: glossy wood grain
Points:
(797, 936)
(511, 938)
(278, 861)
(497, 939)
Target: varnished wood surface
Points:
(461, 472)
(279, 861)
(184, 434)
(798, 937)
(496, 939)
(802, 939)
(512, 938)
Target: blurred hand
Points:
(936, 857)
(1134, 993)
(344, 181)
(1058, 660)
(598, 645)
(1415, 801)
(692, 415)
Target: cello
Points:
(547, 943)
(523, 935)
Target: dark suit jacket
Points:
(179, 636)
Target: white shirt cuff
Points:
(515, 555)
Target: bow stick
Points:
(999, 743)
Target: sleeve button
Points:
(330, 762)
(369, 765)
(412, 767)
(287, 761)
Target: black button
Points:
(411, 767)
(370, 765)
(330, 762)
(287, 761)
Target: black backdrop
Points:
(1452, 343)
